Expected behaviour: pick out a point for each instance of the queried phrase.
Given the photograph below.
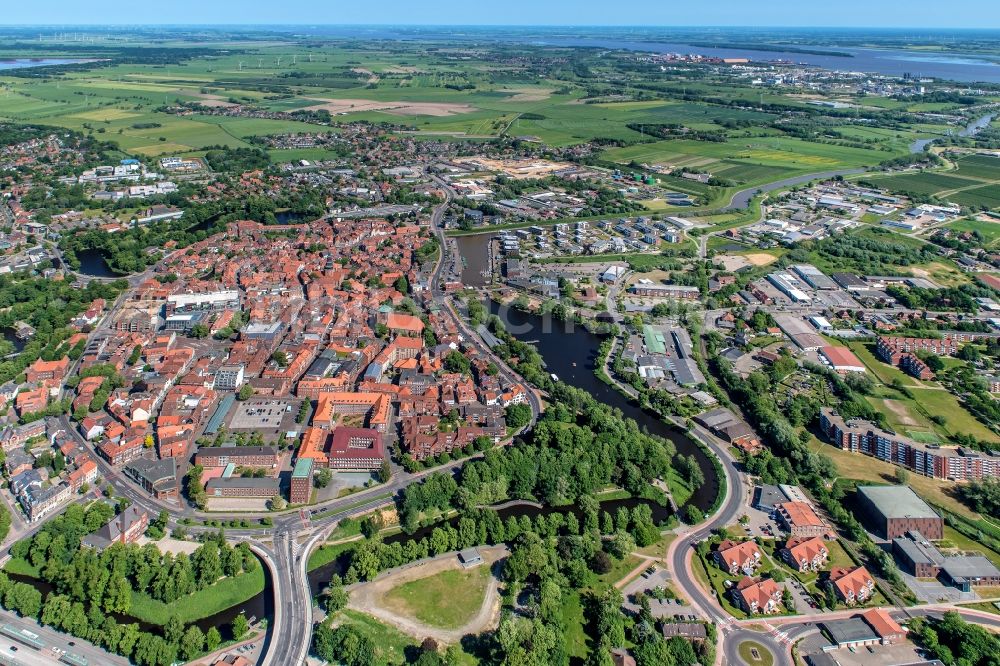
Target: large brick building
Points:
(300, 489)
(902, 352)
(895, 510)
(241, 456)
(237, 486)
(799, 519)
(939, 462)
(344, 448)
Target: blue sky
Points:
(836, 13)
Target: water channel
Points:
(970, 130)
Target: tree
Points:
(385, 472)
(118, 596)
(213, 639)
(335, 597)
(456, 361)
(192, 643)
(517, 416)
(278, 503)
(280, 357)
(245, 393)
(902, 476)
(323, 477)
(199, 331)
(240, 626)
(173, 630)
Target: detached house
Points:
(805, 553)
(854, 585)
(758, 596)
(738, 556)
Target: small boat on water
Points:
(555, 378)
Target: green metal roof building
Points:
(655, 340)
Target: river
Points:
(971, 129)
(949, 65)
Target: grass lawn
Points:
(959, 420)
(658, 549)
(326, 554)
(448, 599)
(748, 649)
(16, 565)
(227, 592)
(679, 487)
(619, 569)
(987, 606)
(956, 539)
(838, 556)
(575, 623)
(865, 468)
(390, 643)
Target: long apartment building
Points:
(902, 352)
(939, 462)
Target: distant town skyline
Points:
(918, 14)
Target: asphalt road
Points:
(681, 554)
(56, 645)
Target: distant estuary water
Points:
(22, 63)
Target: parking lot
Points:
(649, 581)
(271, 417)
(876, 654)
(933, 591)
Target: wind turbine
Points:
(279, 61)
(241, 65)
(260, 63)
(295, 59)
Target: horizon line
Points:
(491, 25)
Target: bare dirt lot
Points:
(370, 597)
(760, 258)
(901, 413)
(528, 94)
(336, 106)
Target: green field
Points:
(958, 419)
(989, 230)
(226, 593)
(391, 645)
(448, 600)
(975, 182)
